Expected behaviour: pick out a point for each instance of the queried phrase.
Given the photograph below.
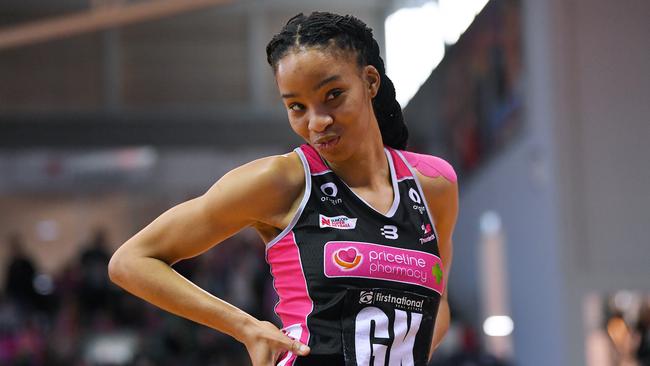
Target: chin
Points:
(336, 155)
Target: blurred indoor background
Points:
(112, 111)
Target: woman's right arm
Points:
(257, 193)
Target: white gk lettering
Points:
(369, 352)
(401, 353)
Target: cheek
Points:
(299, 126)
(354, 109)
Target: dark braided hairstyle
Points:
(347, 33)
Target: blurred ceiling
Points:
(194, 78)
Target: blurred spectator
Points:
(20, 274)
(94, 291)
(88, 307)
(643, 329)
(471, 354)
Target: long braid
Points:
(322, 29)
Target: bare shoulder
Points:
(263, 188)
(440, 187)
(431, 166)
(439, 183)
(441, 195)
(280, 172)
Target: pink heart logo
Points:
(348, 255)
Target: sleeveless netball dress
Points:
(358, 286)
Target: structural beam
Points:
(78, 130)
(97, 19)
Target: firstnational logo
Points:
(365, 297)
(400, 302)
(404, 302)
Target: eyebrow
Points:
(318, 86)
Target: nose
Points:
(319, 121)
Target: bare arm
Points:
(259, 193)
(442, 198)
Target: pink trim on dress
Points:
(316, 164)
(431, 166)
(289, 281)
(401, 170)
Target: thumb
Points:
(299, 348)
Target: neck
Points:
(366, 167)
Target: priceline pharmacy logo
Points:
(347, 258)
(383, 263)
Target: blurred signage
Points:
(47, 170)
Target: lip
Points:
(327, 143)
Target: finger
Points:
(299, 348)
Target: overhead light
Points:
(457, 16)
(47, 230)
(416, 39)
(498, 326)
(490, 222)
(414, 47)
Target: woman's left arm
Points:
(442, 198)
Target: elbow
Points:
(117, 268)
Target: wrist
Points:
(246, 329)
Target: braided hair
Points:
(324, 30)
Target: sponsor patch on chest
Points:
(381, 262)
(337, 222)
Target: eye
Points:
(296, 107)
(334, 93)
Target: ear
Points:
(373, 79)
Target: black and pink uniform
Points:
(358, 286)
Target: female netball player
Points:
(357, 231)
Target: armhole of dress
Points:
(417, 183)
(303, 203)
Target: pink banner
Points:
(366, 260)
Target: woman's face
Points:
(328, 99)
